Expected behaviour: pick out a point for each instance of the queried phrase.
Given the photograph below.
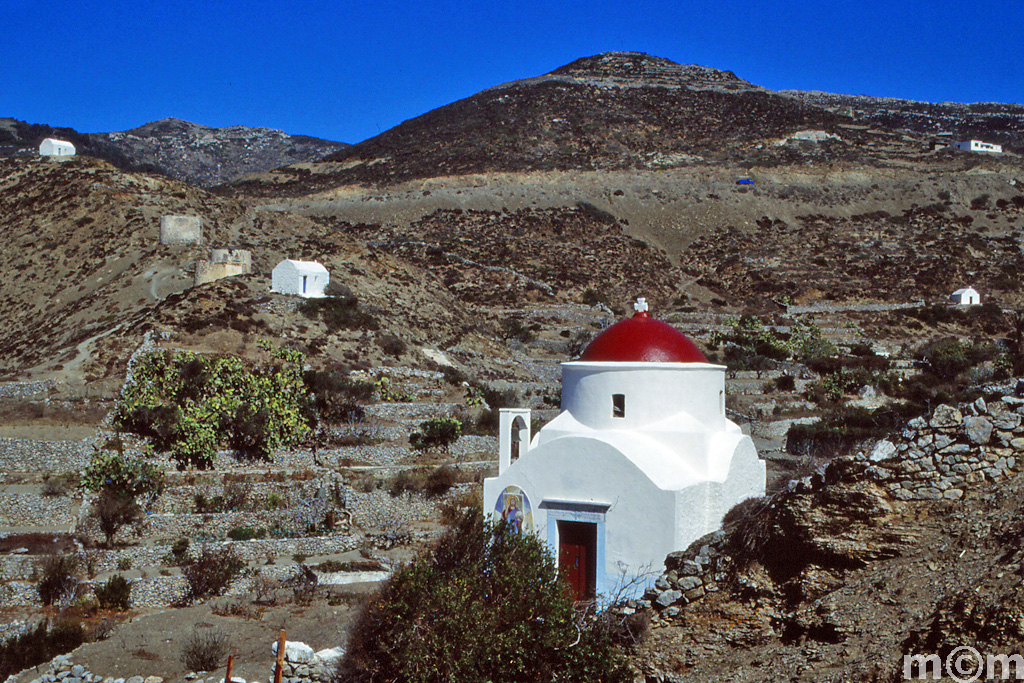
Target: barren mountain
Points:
(610, 111)
(178, 149)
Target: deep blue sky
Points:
(347, 71)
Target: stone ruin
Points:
(222, 263)
(181, 229)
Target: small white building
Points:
(641, 461)
(52, 147)
(303, 278)
(968, 296)
(977, 146)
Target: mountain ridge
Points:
(182, 150)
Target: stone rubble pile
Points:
(303, 665)
(938, 458)
(63, 670)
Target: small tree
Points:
(439, 433)
(487, 604)
(114, 510)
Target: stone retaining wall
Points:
(836, 307)
(26, 389)
(941, 457)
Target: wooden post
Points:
(280, 657)
(231, 664)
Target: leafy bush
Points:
(246, 533)
(116, 593)
(58, 578)
(179, 552)
(205, 649)
(785, 383)
(128, 476)
(336, 397)
(212, 572)
(392, 345)
(189, 404)
(437, 433)
(485, 605)
(38, 645)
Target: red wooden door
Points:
(572, 563)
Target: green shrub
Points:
(116, 593)
(58, 577)
(336, 397)
(179, 552)
(392, 345)
(38, 645)
(438, 433)
(514, 328)
(246, 533)
(189, 404)
(212, 572)
(114, 471)
(485, 605)
(785, 383)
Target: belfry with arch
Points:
(641, 460)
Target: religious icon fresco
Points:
(514, 507)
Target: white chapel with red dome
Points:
(641, 461)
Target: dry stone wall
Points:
(941, 457)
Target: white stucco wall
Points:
(52, 147)
(653, 392)
(301, 278)
(966, 297)
(653, 480)
(977, 146)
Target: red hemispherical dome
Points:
(642, 338)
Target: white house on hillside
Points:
(967, 296)
(641, 461)
(977, 146)
(303, 278)
(52, 147)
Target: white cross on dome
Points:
(640, 305)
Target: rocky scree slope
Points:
(185, 151)
(610, 111)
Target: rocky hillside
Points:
(910, 548)
(185, 151)
(206, 156)
(949, 121)
(610, 111)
